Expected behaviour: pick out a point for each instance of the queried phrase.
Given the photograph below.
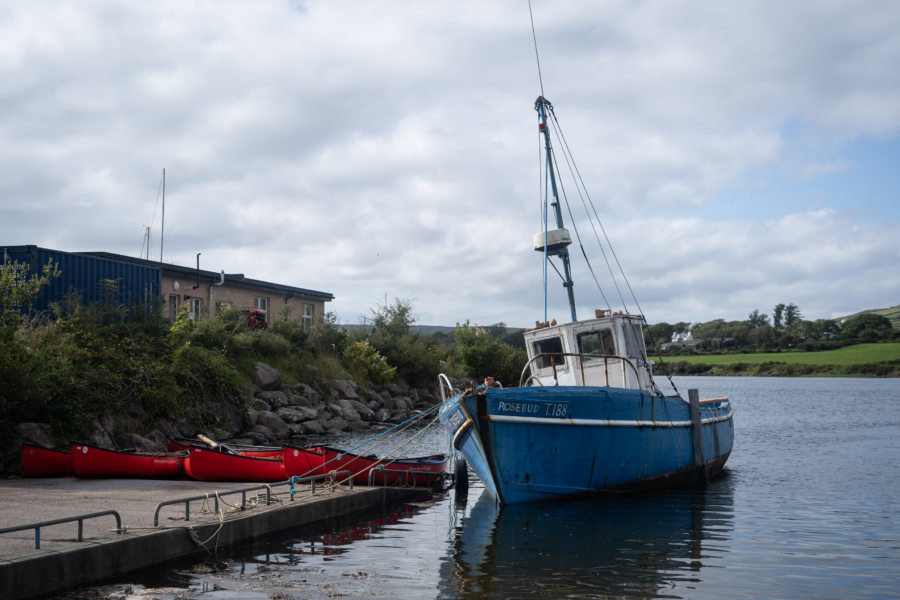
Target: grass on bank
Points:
(858, 354)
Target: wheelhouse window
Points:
(634, 340)
(596, 343)
(306, 315)
(552, 345)
(262, 304)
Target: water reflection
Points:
(635, 546)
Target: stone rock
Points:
(273, 423)
(388, 401)
(187, 427)
(260, 435)
(336, 423)
(313, 427)
(349, 412)
(335, 409)
(133, 440)
(260, 404)
(167, 428)
(99, 438)
(345, 389)
(365, 413)
(397, 417)
(158, 438)
(36, 433)
(297, 414)
(304, 390)
(274, 398)
(382, 415)
(358, 425)
(266, 377)
(403, 403)
(229, 418)
(252, 416)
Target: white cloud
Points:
(389, 149)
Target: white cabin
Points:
(606, 351)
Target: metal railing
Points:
(80, 519)
(581, 358)
(215, 497)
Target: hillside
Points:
(892, 314)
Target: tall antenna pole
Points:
(162, 228)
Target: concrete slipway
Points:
(63, 562)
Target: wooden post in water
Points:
(697, 436)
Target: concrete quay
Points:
(63, 562)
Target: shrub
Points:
(365, 360)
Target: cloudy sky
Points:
(740, 154)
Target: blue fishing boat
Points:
(587, 415)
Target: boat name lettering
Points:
(519, 407)
(556, 409)
(455, 420)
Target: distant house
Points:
(683, 339)
(207, 292)
(92, 275)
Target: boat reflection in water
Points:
(620, 547)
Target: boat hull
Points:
(302, 462)
(38, 461)
(538, 443)
(90, 461)
(210, 465)
(178, 444)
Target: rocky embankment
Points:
(275, 413)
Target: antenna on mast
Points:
(162, 227)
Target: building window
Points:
(196, 307)
(222, 306)
(262, 304)
(306, 315)
(173, 307)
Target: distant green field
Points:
(851, 355)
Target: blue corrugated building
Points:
(89, 276)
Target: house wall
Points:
(210, 296)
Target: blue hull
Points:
(537, 443)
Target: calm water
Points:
(808, 508)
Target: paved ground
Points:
(29, 501)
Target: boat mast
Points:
(162, 227)
(560, 248)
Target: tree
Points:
(791, 314)
(757, 319)
(484, 356)
(868, 326)
(18, 290)
(778, 316)
(658, 334)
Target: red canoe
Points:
(302, 462)
(91, 461)
(423, 471)
(177, 444)
(38, 461)
(210, 465)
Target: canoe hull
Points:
(423, 471)
(539, 443)
(38, 461)
(90, 461)
(210, 465)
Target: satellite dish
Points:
(175, 285)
